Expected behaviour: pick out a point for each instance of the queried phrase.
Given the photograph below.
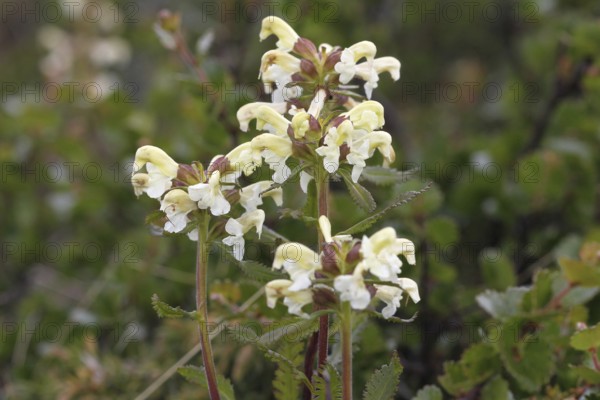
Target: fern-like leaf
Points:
(383, 383)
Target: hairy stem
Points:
(202, 308)
(319, 341)
(346, 351)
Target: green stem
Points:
(346, 351)
(202, 308)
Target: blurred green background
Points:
(498, 104)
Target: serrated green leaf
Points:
(383, 383)
(478, 363)
(429, 392)
(370, 221)
(502, 305)
(586, 339)
(327, 384)
(386, 176)
(284, 362)
(528, 358)
(496, 389)
(361, 196)
(580, 273)
(197, 375)
(286, 385)
(259, 271)
(166, 311)
(295, 329)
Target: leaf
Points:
(253, 269)
(311, 205)
(496, 389)
(528, 358)
(541, 292)
(327, 384)
(386, 176)
(197, 375)
(588, 374)
(295, 329)
(290, 366)
(383, 382)
(586, 339)
(361, 196)
(369, 221)
(166, 311)
(259, 271)
(286, 384)
(502, 305)
(478, 363)
(429, 392)
(270, 234)
(580, 273)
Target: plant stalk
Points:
(346, 351)
(319, 341)
(202, 308)
(322, 181)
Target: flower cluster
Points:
(184, 190)
(355, 270)
(316, 120)
(310, 89)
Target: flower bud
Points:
(308, 68)
(332, 59)
(306, 48)
(329, 259)
(188, 174)
(353, 255)
(324, 297)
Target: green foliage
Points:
(166, 311)
(429, 392)
(327, 384)
(383, 383)
(477, 364)
(361, 196)
(286, 385)
(528, 358)
(581, 273)
(585, 339)
(496, 389)
(382, 176)
(371, 220)
(196, 375)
